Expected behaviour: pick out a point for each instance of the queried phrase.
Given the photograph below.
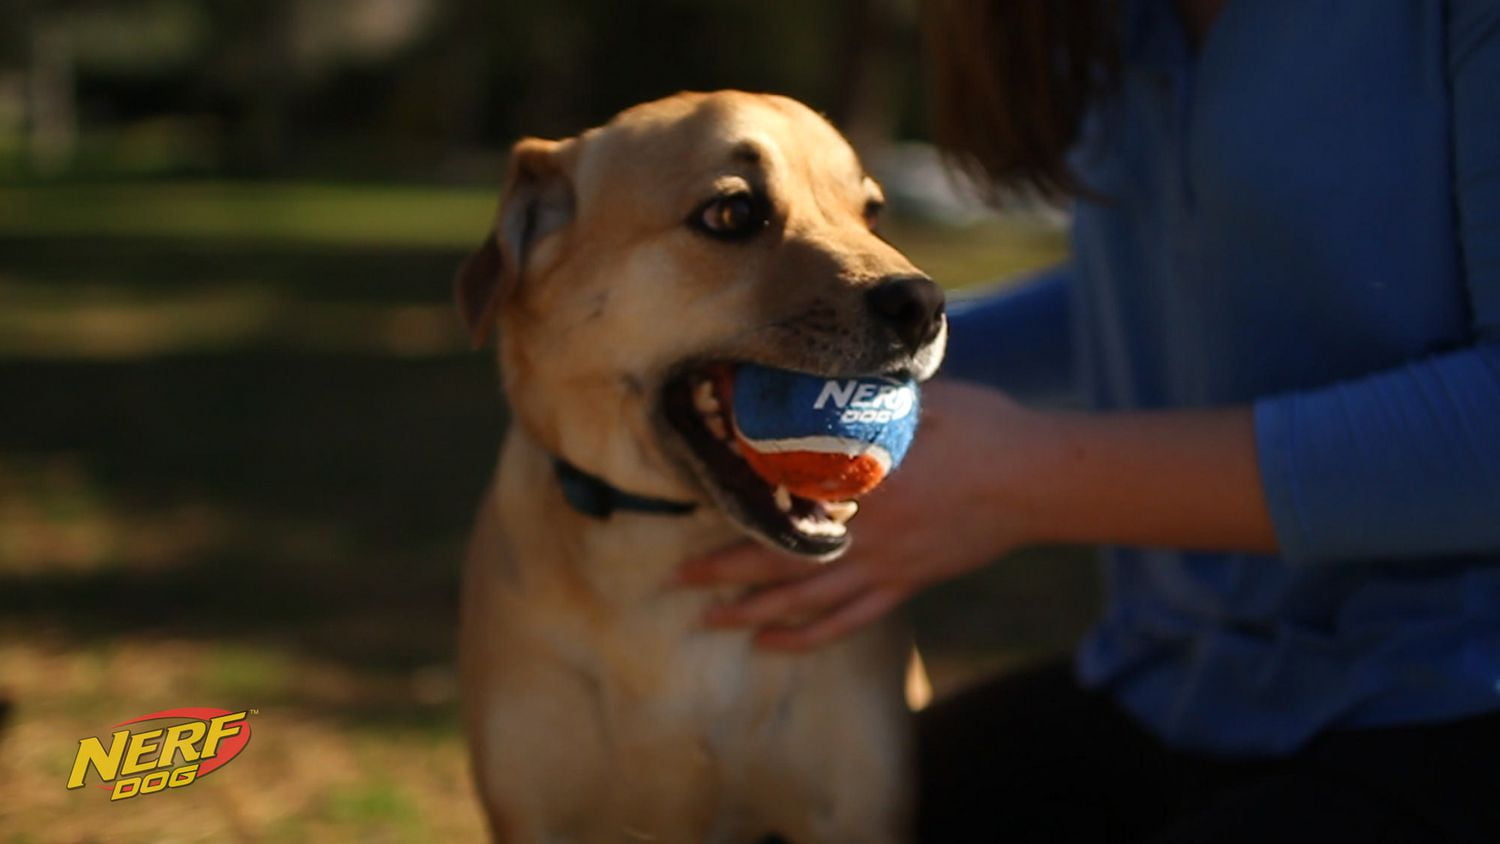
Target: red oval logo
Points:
(228, 748)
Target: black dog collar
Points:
(594, 497)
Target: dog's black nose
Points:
(910, 305)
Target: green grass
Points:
(414, 217)
(380, 803)
(241, 440)
(267, 212)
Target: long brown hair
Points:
(1010, 82)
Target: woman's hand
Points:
(942, 514)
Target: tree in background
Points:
(417, 88)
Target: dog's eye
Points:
(872, 212)
(733, 216)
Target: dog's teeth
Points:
(783, 498)
(819, 527)
(716, 426)
(840, 511)
(704, 399)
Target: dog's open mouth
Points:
(698, 407)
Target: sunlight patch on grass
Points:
(247, 674)
(378, 802)
(262, 211)
(426, 216)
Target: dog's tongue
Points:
(827, 439)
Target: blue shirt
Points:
(1305, 216)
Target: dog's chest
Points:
(661, 674)
(639, 644)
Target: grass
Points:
(286, 212)
(240, 442)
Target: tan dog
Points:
(624, 265)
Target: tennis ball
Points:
(829, 439)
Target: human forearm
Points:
(1180, 479)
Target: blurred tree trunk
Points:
(273, 75)
(464, 71)
(253, 71)
(867, 61)
(51, 113)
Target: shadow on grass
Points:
(395, 449)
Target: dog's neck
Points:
(606, 554)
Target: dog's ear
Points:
(537, 201)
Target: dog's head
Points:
(629, 264)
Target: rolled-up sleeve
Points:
(1018, 339)
(1406, 462)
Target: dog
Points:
(624, 266)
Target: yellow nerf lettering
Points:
(140, 745)
(125, 788)
(183, 776)
(181, 738)
(91, 754)
(219, 729)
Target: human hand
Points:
(942, 514)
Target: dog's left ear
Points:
(537, 201)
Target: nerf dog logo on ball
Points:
(864, 401)
(145, 761)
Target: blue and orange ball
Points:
(828, 439)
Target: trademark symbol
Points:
(255, 712)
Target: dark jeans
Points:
(1033, 757)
